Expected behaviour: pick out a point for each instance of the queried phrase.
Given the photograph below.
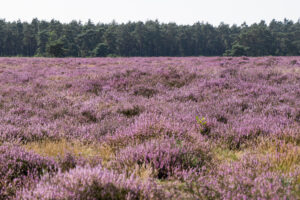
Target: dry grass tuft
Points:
(281, 155)
(145, 171)
(60, 148)
(226, 155)
(278, 154)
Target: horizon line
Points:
(84, 22)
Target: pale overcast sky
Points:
(179, 11)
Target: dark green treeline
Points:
(74, 39)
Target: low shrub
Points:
(164, 156)
(92, 183)
(19, 167)
(145, 92)
(130, 111)
(249, 178)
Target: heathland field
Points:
(150, 128)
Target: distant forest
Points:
(151, 38)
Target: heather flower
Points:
(249, 178)
(165, 156)
(19, 168)
(143, 111)
(92, 183)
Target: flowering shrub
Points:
(249, 178)
(92, 183)
(18, 167)
(137, 116)
(164, 156)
